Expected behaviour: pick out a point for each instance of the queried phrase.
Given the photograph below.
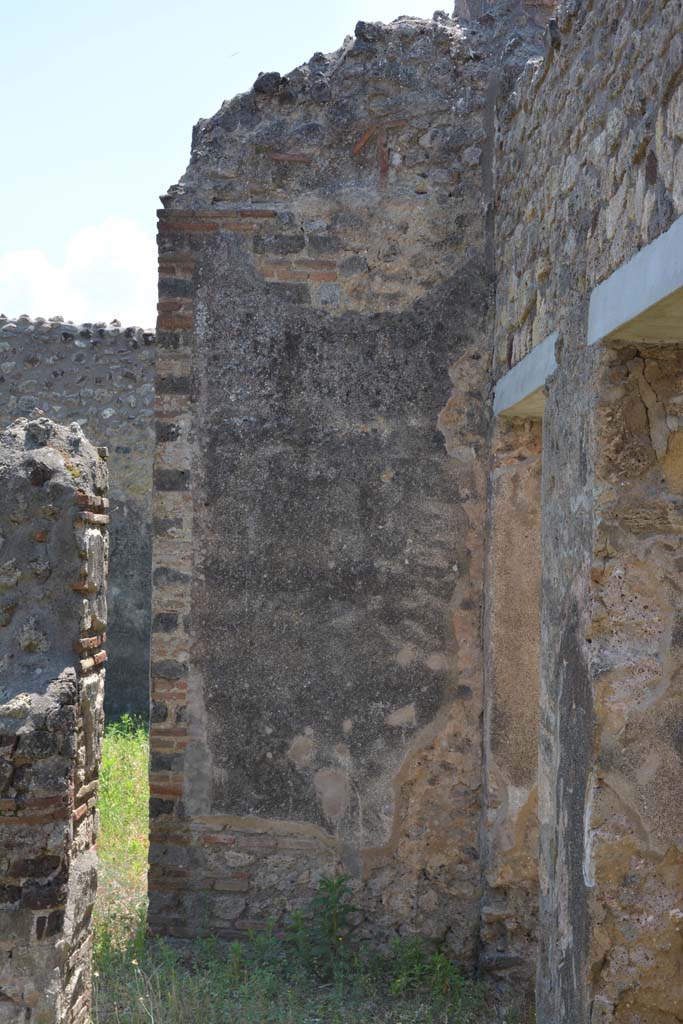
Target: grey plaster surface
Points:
(520, 392)
(643, 299)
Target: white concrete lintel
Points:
(643, 299)
(520, 392)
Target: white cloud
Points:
(109, 271)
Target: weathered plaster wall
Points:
(513, 634)
(53, 564)
(320, 487)
(589, 161)
(102, 377)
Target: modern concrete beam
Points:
(520, 393)
(643, 300)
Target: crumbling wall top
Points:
(288, 125)
(56, 328)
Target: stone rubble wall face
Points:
(53, 567)
(320, 494)
(101, 377)
(633, 856)
(589, 164)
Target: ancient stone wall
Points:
(320, 487)
(589, 164)
(588, 171)
(371, 604)
(102, 377)
(53, 564)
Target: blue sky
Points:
(98, 99)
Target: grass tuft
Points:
(123, 841)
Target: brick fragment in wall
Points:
(327, 562)
(51, 715)
(101, 377)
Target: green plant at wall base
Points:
(417, 970)
(298, 939)
(331, 924)
(409, 960)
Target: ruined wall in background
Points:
(513, 635)
(102, 377)
(588, 170)
(589, 163)
(320, 488)
(53, 565)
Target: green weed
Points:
(329, 926)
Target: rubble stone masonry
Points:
(589, 162)
(53, 567)
(102, 377)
